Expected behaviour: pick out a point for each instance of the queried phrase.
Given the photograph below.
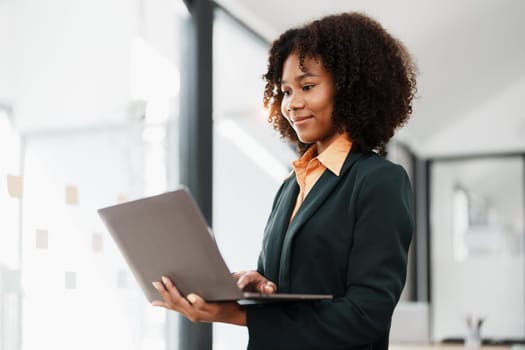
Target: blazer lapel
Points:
(315, 198)
(277, 227)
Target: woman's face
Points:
(308, 100)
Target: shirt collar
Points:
(332, 157)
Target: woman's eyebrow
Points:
(301, 77)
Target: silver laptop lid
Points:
(166, 235)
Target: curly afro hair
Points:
(374, 76)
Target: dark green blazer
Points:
(349, 238)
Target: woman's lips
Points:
(298, 121)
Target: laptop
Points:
(167, 235)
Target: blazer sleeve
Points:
(376, 274)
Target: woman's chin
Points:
(305, 139)
(307, 142)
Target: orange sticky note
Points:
(122, 198)
(71, 195)
(15, 186)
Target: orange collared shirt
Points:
(309, 168)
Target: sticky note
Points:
(71, 280)
(96, 242)
(122, 198)
(71, 195)
(11, 281)
(42, 239)
(122, 279)
(15, 186)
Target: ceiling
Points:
(470, 55)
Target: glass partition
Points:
(93, 88)
(250, 160)
(477, 246)
(77, 289)
(11, 192)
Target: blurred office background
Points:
(90, 116)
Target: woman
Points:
(342, 222)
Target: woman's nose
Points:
(295, 103)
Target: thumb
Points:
(195, 300)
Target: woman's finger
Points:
(268, 287)
(192, 307)
(170, 287)
(196, 301)
(241, 282)
(159, 303)
(162, 291)
(175, 295)
(248, 278)
(237, 275)
(172, 298)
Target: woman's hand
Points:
(194, 308)
(253, 281)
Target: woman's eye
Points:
(307, 87)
